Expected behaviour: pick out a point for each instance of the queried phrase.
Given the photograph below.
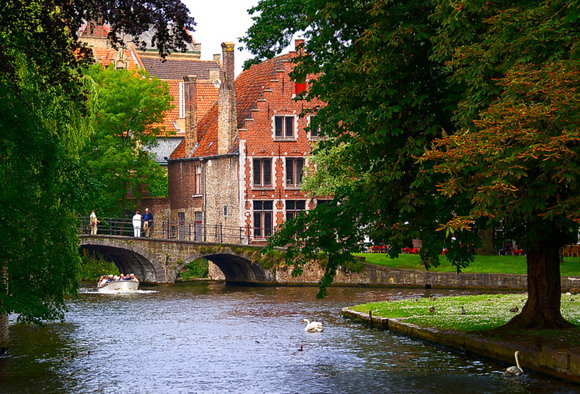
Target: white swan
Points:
(312, 326)
(515, 370)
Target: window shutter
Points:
(289, 171)
(278, 122)
(299, 169)
(267, 172)
(289, 126)
(257, 177)
(299, 87)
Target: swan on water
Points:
(515, 370)
(312, 326)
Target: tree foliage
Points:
(43, 128)
(124, 109)
(516, 153)
(386, 100)
(489, 88)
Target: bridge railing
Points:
(166, 229)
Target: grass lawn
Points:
(482, 264)
(482, 312)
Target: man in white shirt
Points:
(137, 224)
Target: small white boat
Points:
(118, 286)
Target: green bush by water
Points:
(195, 270)
(93, 268)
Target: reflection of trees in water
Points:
(34, 353)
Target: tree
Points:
(520, 167)
(386, 99)
(43, 129)
(398, 75)
(515, 156)
(124, 108)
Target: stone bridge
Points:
(160, 261)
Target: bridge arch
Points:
(160, 261)
(236, 267)
(129, 258)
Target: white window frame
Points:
(284, 135)
(294, 211)
(261, 185)
(260, 217)
(197, 180)
(310, 136)
(296, 185)
(181, 100)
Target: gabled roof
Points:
(178, 68)
(207, 95)
(105, 56)
(94, 30)
(249, 87)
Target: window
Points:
(320, 202)
(263, 214)
(284, 126)
(225, 210)
(294, 171)
(181, 100)
(197, 180)
(313, 130)
(293, 207)
(262, 172)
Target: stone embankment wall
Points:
(374, 275)
(563, 363)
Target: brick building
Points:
(238, 171)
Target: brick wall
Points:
(259, 141)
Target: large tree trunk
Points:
(486, 236)
(542, 310)
(3, 334)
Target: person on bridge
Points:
(93, 222)
(147, 222)
(137, 224)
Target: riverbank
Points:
(376, 275)
(552, 352)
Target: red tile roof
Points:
(249, 87)
(207, 95)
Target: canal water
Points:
(209, 337)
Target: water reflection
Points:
(213, 337)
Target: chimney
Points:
(190, 93)
(227, 117)
(228, 59)
(217, 58)
(299, 46)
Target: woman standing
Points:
(93, 222)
